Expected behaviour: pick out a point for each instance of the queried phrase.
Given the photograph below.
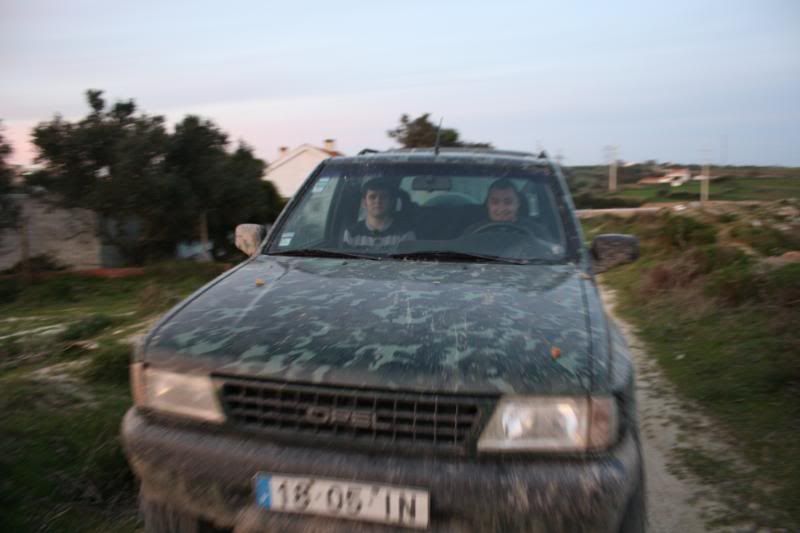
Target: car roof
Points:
(453, 155)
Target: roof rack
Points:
(492, 151)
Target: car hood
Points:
(410, 325)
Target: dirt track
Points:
(677, 502)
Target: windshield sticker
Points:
(321, 185)
(286, 238)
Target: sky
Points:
(672, 81)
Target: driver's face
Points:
(503, 205)
(378, 203)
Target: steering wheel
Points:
(504, 226)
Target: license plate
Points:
(343, 499)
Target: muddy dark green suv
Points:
(418, 343)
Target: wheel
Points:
(159, 517)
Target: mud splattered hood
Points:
(462, 327)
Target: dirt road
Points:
(677, 502)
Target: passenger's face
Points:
(503, 205)
(378, 203)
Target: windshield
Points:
(437, 211)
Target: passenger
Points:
(380, 228)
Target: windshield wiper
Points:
(323, 252)
(458, 256)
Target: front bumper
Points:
(209, 473)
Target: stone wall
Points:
(68, 236)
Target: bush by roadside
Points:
(587, 200)
(64, 355)
(722, 321)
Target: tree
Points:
(421, 133)
(248, 198)
(9, 214)
(110, 162)
(152, 189)
(223, 189)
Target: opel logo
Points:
(328, 415)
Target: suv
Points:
(418, 343)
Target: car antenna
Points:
(438, 137)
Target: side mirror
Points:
(249, 237)
(610, 250)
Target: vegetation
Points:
(587, 200)
(728, 189)
(86, 327)
(720, 313)
(152, 188)
(8, 212)
(589, 185)
(421, 133)
(65, 345)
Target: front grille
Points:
(369, 416)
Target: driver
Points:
(503, 201)
(380, 228)
(504, 205)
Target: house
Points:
(675, 177)
(292, 167)
(653, 180)
(678, 176)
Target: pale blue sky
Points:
(661, 80)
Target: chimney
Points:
(282, 151)
(330, 144)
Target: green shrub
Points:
(590, 201)
(709, 258)
(179, 270)
(59, 290)
(10, 348)
(682, 232)
(682, 195)
(734, 284)
(155, 298)
(766, 239)
(86, 327)
(782, 286)
(10, 289)
(109, 364)
(682, 269)
(106, 470)
(37, 263)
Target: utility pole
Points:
(611, 155)
(706, 176)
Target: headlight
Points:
(180, 394)
(550, 424)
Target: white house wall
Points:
(289, 176)
(65, 235)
